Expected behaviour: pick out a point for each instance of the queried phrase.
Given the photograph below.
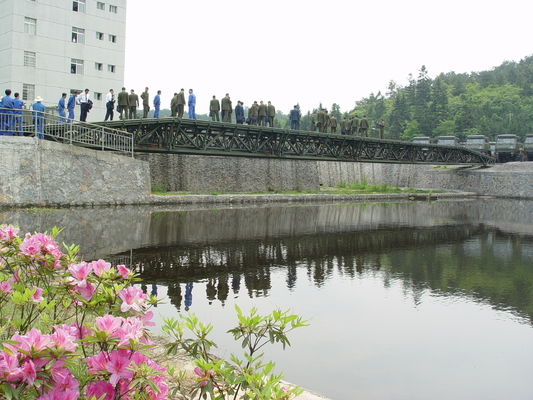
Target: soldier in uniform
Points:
(321, 120)
(146, 102)
(226, 108)
(181, 103)
(174, 105)
(253, 113)
(381, 125)
(355, 125)
(313, 122)
(271, 113)
(262, 113)
(344, 123)
(134, 103)
(214, 108)
(123, 103)
(326, 124)
(364, 126)
(333, 124)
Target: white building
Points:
(48, 47)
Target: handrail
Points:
(15, 122)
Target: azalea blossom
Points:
(37, 295)
(80, 271)
(119, 367)
(6, 287)
(58, 394)
(100, 266)
(205, 376)
(123, 271)
(132, 298)
(108, 323)
(95, 390)
(33, 342)
(8, 232)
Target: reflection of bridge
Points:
(185, 136)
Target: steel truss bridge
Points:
(185, 136)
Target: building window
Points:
(99, 36)
(113, 9)
(76, 66)
(111, 68)
(99, 66)
(28, 92)
(78, 5)
(100, 5)
(30, 26)
(113, 38)
(78, 35)
(97, 95)
(29, 59)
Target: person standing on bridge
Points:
(294, 117)
(262, 113)
(355, 125)
(214, 108)
(146, 102)
(364, 126)
(344, 122)
(133, 99)
(83, 100)
(38, 117)
(157, 104)
(6, 115)
(17, 114)
(123, 104)
(226, 108)
(61, 107)
(239, 113)
(381, 125)
(192, 105)
(253, 114)
(72, 100)
(321, 119)
(109, 105)
(271, 114)
(181, 103)
(174, 105)
(326, 125)
(333, 124)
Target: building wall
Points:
(54, 49)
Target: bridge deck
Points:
(185, 136)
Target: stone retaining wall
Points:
(45, 173)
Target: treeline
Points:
(499, 101)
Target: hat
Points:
(38, 98)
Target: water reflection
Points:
(406, 299)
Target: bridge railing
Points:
(65, 130)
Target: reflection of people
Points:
(174, 292)
(188, 296)
(210, 290)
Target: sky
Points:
(311, 52)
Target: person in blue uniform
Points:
(71, 105)
(192, 105)
(61, 106)
(6, 116)
(38, 117)
(157, 104)
(239, 112)
(17, 114)
(294, 117)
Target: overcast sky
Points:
(310, 52)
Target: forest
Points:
(493, 102)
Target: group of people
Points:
(11, 115)
(323, 122)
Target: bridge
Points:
(186, 136)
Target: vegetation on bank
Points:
(342, 188)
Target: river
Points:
(413, 300)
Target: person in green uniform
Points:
(313, 122)
(133, 99)
(226, 108)
(253, 113)
(321, 120)
(355, 125)
(262, 113)
(146, 102)
(174, 105)
(181, 103)
(364, 126)
(333, 124)
(271, 113)
(214, 108)
(381, 125)
(123, 104)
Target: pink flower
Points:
(97, 362)
(100, 266)
(37, 295)
(8, 232)
(58, 394)
(38, 245)
(9, 367)
(86, 289)
(205, 376)
(108, 323)
(119, 367)
(95, 390)
(123, 271)
(132, 298)
(28, 372)
(80, 271)
(6, 287)
(33, 342)
(64, 339)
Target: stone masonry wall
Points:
(41, 172)
(192, 173)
